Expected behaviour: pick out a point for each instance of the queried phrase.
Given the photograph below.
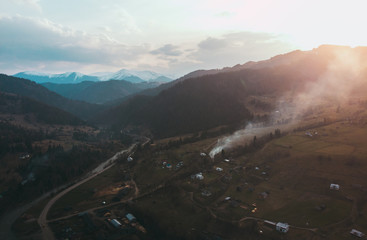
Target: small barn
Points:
(282, 227)
(199, 176)
(130, 217)
(334, 186)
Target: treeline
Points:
(15, 139)
(51, 169)
(13, 104)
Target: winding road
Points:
(47, 234)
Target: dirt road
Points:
(47, 234)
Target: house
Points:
(219, 169)
(180, 164)
(282, 227)
(308, 134)
(199, 176)
(356, 233)
(115, 223)
(203, 154)
(130, 217)
(206, 193)
(227, 198)
(129, 159)
(226, 160)
(168, 165)
(334, 186)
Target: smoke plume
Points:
(345, 74)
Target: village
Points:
(308, 184)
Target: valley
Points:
(269, 150)
(285, 178)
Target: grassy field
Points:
(87, 195)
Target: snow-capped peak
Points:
(123, 73)
(75, 77)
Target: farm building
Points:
(115, 223)
(206, 193)
(130, 217)
(334, 186)
(282, 227)
(356, 233)
(199, 176)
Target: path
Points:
(47, 234)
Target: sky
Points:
(171, 37)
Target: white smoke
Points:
(333, 88)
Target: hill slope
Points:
(17, 105)
(212, 100)
(98, 92)
(35, 91)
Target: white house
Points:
(356, 233)
(199, 176)
(219, 169)
(203, 154)
(334, 186)
(282, 227)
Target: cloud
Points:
(213, 43)
(39, 40)
(34, 4)
(28, 43)
(168, 50)
(239, 47)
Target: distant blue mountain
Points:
(70, 77)
(75, 77)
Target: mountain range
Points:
(231, 96)
(76, 77)
(198, 101)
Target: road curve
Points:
(47, 234)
